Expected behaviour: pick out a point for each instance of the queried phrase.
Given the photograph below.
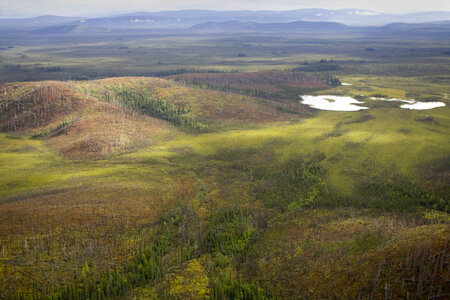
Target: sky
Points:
(89, 8)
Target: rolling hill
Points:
(69, 29)
(76, 125)
(284, 27)
(77, 120)
(40, 21)
(187, 18)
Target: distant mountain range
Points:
(189, 18)
(259, 27)
(70, 29)
(41, 21)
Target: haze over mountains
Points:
(187, 18)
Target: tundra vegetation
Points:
(204, 177)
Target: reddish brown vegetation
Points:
(79, 125)
(49, 238)
(353, 258)
(223, 106)
(32, 105)
(106, 129)
(74, 124)
(270, 82)
(210, 104)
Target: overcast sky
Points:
(27, 8)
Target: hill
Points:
(217, 106)
(285, 27)
(80, 120)
(40, 21)
(73, 124)
(69, 29)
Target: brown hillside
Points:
(74, 120)
(32, 105)
(204, 104)
(105, 129)
(74, 124)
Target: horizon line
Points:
(118, 13)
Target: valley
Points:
(186, 165)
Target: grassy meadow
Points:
(157, 188)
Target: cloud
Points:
(366, 13)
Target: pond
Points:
(413, 104)
(334, 103)
(346, 103)
(423, 105)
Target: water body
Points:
(413, 104)
(345, 103)
(423, 105)
(334, 103)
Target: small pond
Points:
(346, 103)
(335, 103)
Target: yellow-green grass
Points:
(321, 254)
(29, 166)
(392, 86)
(393, 142)
(51, 206)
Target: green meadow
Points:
(378, 143)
